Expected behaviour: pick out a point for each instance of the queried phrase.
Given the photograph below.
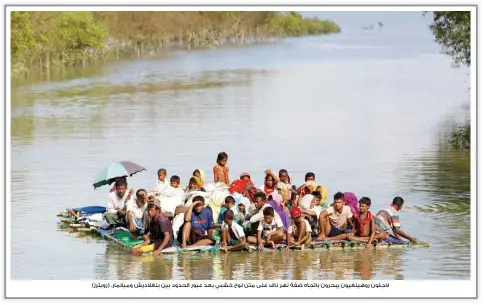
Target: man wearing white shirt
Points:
(136, 213)
(116, 209)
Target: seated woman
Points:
(193, 185)
(283, 184)
(199, 175)
(269, 185)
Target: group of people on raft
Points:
(275, 213)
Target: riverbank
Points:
(42, 41)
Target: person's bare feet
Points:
(322, 238)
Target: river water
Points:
(365, 111)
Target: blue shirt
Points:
(221, 215)
(203, 221)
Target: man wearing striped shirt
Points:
(388, 219)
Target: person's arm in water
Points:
(259, 239)
(147, 240)
(166, 238)
(398, 232)
(288, 239)
(372, 233)
(240, 244)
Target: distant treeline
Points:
(42, 40)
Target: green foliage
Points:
(452, 30)
(41, 40)
(461, 138)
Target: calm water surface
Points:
(365, 111)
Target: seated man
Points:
(334, 221)
(116, 209)
(135, 213)
(198, 227)
(160, 233)
(388, 219)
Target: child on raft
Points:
(363, 228)
(229, 203)
(299, 233)
(270, 230)
(161, 183)
(233, 236)
(221, 171)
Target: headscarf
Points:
(324, 197)
(278, 208)
(352, 202)
(239, 186)
(245, 202)
(202, 177)
(277, 198)
(199, 182)
(324, 193)
(295, 212)
(244, 174)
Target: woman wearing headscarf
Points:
(269, 185)
(324, 196)
(352, 201)
(276, 202)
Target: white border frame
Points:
(397, 289)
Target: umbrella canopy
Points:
(114, 170)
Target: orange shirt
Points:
(221, 174)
